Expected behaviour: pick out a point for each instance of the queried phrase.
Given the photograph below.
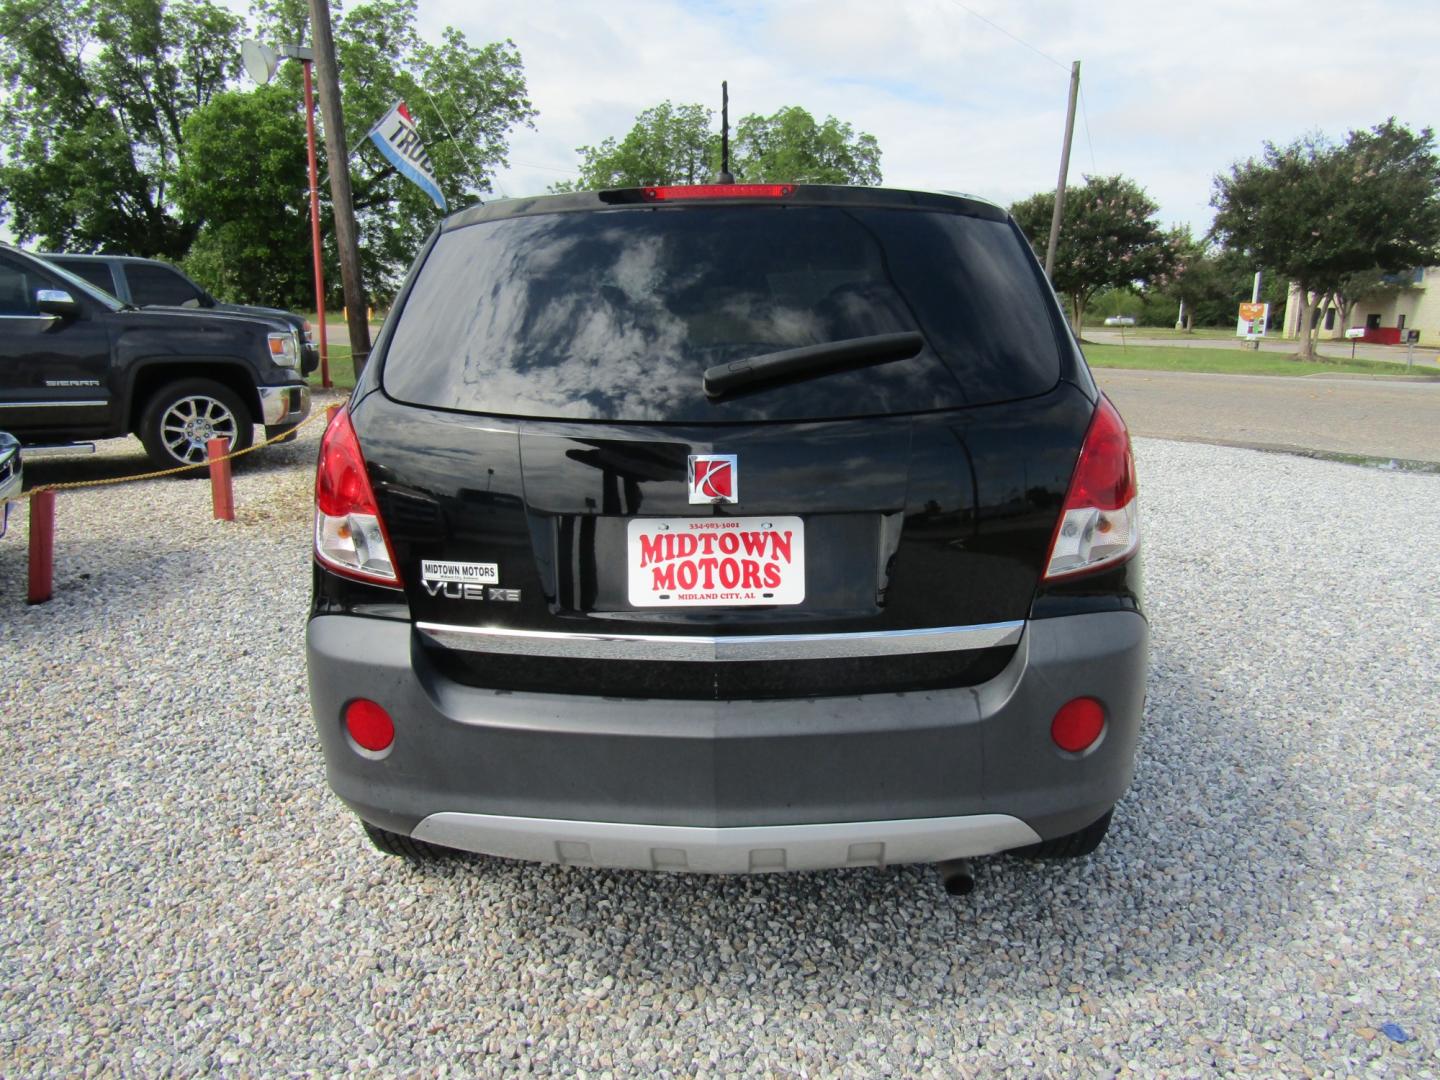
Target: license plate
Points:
(715, 562)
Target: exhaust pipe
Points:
(955, 875)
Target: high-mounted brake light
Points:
(717, 191)
(1099, 523)
(349, 535)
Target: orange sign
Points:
(1252, 312)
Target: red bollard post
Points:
(222, 493)
(330, 411)
(42, 546)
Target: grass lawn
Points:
(1234, 361)
(1218, 333)
(342, 373)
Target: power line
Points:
(546, 168)
(1085, 119)
(1018, 40)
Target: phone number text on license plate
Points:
(695, 562)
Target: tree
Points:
(790, 147)
(1109, 239)
(93, 128)
(669, 144)
(678, 144)
(1318, 213)
(255, 243)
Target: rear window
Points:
(159, 285)
(615, 315)
(97, 274)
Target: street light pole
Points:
(260, 63)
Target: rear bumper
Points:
(732, 786)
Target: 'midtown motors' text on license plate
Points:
(735, 562)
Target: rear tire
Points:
(181, 417)
(404, 847)
(1073, 846)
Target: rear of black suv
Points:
(728, 529)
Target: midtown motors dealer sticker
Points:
(712, 562)
(471, 573)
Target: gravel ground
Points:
(182, 893)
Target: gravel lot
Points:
(182, 893)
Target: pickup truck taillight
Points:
(1100, 520)
(349, 535)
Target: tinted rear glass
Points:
(97, 274)
(615, 315)
(159, 285)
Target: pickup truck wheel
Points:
(182, 417)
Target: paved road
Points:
(1335, 350)
(1348, 416)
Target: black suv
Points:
(77, 364)
(153, 283)
(728, 528)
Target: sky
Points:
(970, 96)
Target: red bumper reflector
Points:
(718, 191)
(369, 725)
(1078, 724)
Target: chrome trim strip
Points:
(739, 850)
(500, 639)
(49, 404)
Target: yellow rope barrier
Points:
(75, 484)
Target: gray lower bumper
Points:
(752, 850)
(699, 785)
(284, 404)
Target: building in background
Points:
(1411, 303)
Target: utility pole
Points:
(356, 303)
(1055, 218)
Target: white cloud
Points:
(1172, 93)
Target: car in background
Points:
(728, 528)
(12, 477)
(154, 283)
(1120, 320)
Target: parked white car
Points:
(1120, 320)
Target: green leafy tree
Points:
(669, 144)
(680, 144)
(255, 243)
(791, 147)
(1319, 213)
(1109, 239)
(92, 133)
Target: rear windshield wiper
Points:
(811, 360)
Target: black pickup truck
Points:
(153, 283)
(76, 364)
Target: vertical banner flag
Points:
(398, 140)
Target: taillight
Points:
(717, 191)
(349, 535)
(1100, 521)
